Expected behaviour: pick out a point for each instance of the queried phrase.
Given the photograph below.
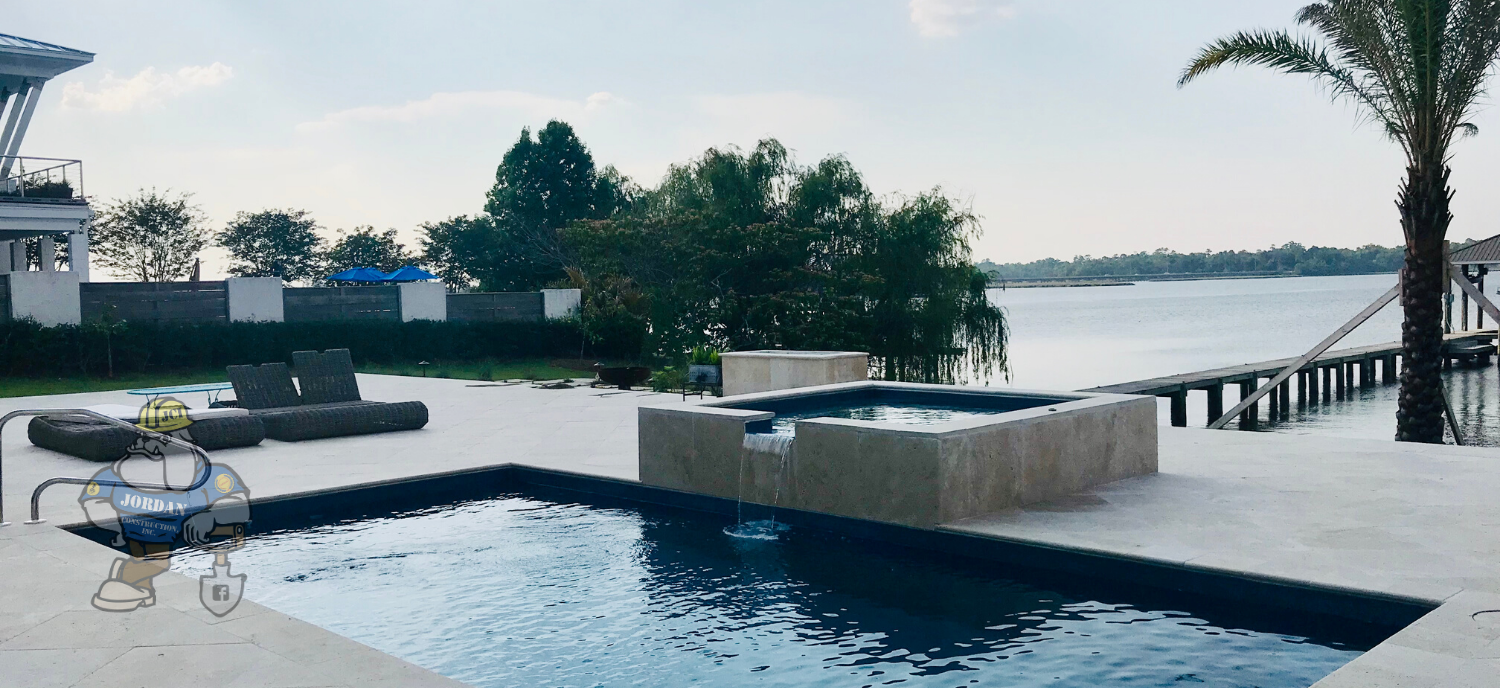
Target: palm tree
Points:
(1416, 68)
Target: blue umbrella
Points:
(358, 275)
(410, 273)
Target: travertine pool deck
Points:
(1413, 521)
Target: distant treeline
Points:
(1291, 258)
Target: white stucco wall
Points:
(747, 372)
(50, 298)
(424, 301)
(255, 299)
(558, 304)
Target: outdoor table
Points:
(212, 389)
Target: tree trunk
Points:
(1425, 219)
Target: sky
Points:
(1058, 121)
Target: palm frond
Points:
(1281, 51)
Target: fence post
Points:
(50, 298)
(423, 301)
(558, 304)
(255, 299)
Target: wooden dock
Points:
(1340, 371)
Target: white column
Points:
(20, 133)
(18, 256)
(78, 252)
(47, 253)
(255, 299)
(4, 256)
(558, 304)
(423, 301)
(50, 298)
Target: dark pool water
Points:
(907, 414)
(518, 591)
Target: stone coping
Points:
(803, 355)
(1068, 403)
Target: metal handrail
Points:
(36, 494)
(21, 174)
(36, 157)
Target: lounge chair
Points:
(329, 404)
(95, 440)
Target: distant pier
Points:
(1334, 375)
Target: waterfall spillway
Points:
(779, 446)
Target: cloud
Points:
(942, 18)
(146, 89)
(445, 104)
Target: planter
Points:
(705, 375)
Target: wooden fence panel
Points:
(155, 301)
(496, 306)
(305, 304)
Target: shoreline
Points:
(1130, 280)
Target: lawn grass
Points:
(470, 370)
(487, 371)
(26, 387)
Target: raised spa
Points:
(917, 455)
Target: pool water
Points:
(905, 414)
(519, 590)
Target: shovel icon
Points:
(221, 592)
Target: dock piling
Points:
(1215, 401)
(1275, 410)
(1284, 390)
(1251, 415)
(1179, 409)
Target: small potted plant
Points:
(704, 368)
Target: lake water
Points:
(1080, 337)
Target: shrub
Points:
(704, 355)
(30, 350)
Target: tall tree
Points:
(273, 243)
(541, 185)
(751, 250)
(152, 237)
(363, 248)
(1416, 68)
(464, 251)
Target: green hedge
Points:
(30, 350)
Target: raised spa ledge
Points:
(743, 415)
(997, 450)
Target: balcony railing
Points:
(55, 180)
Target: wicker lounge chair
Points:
(94, 440)
(329, 404)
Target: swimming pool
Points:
(553, 587)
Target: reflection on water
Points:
(1080, 337)
(516, 591)
(902, 414)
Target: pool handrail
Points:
(36, 494)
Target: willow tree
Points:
(753, 251)
(1416, 68)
